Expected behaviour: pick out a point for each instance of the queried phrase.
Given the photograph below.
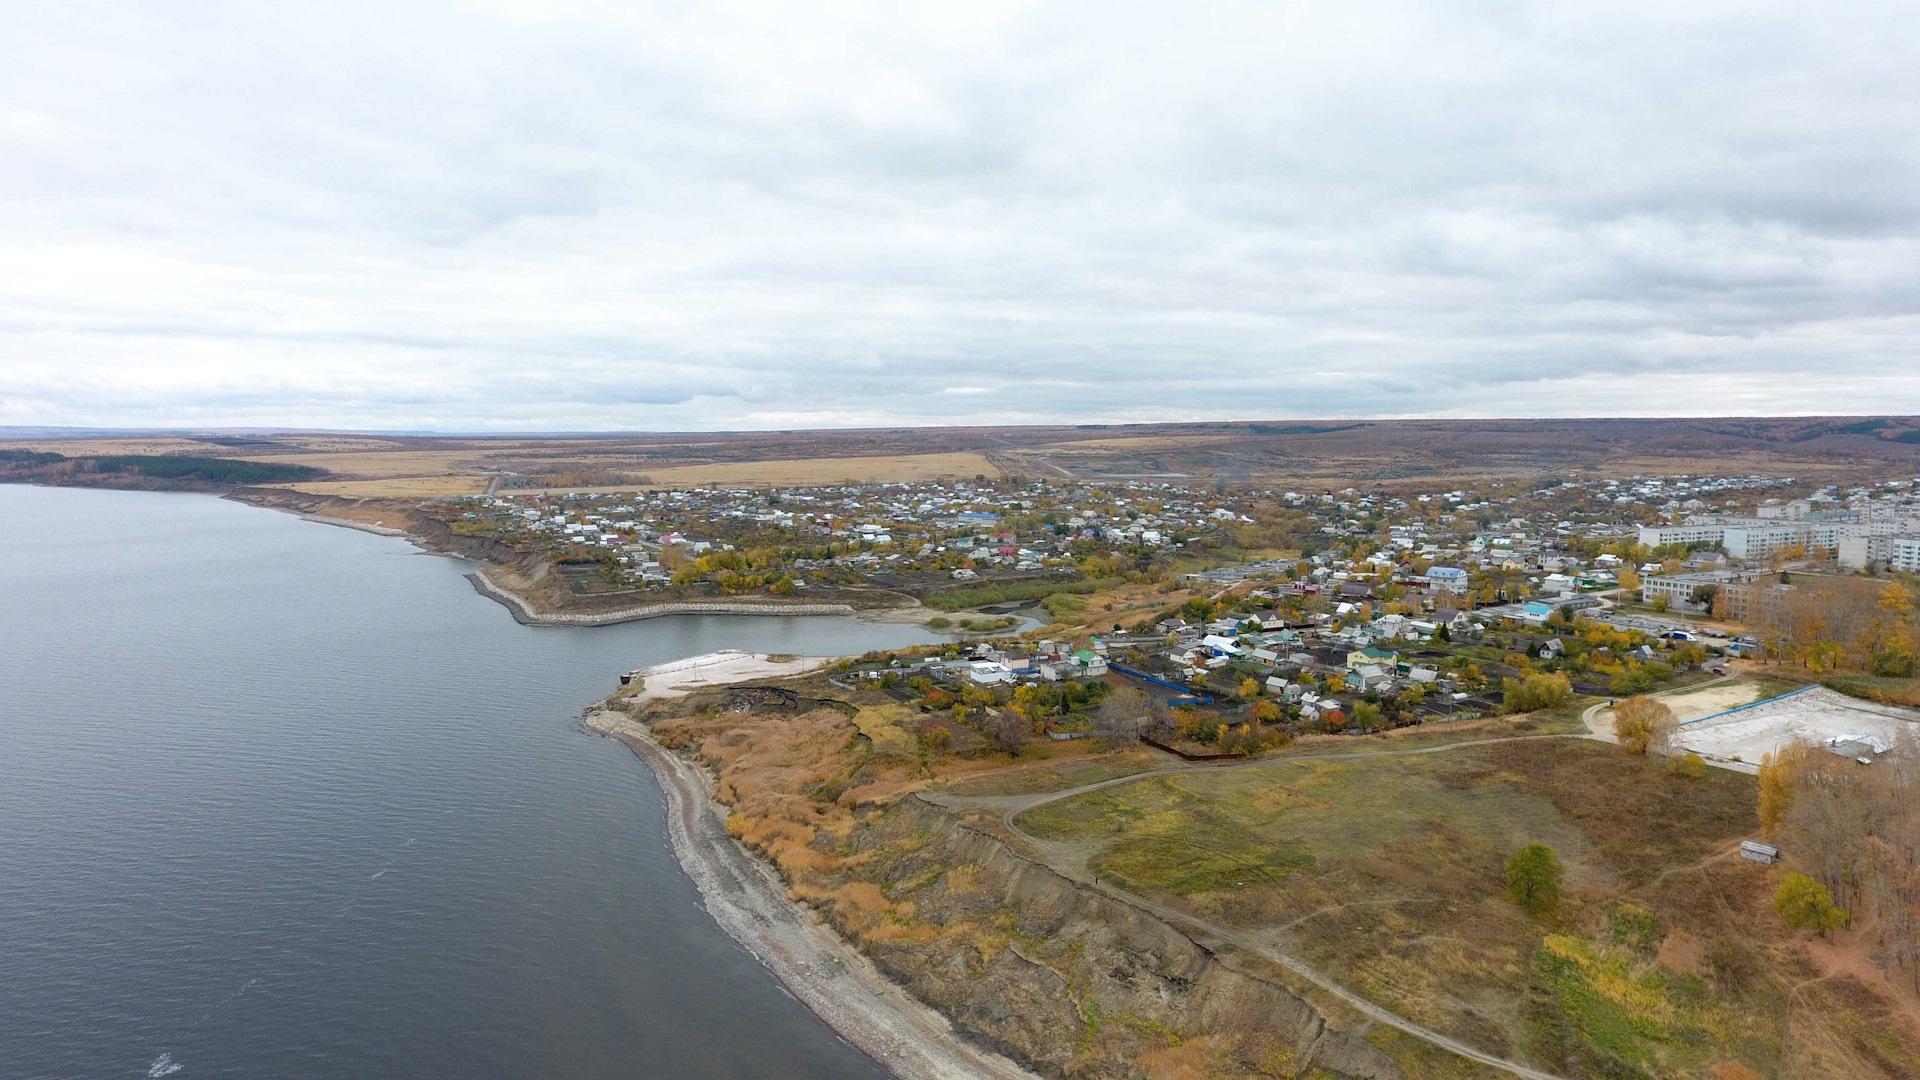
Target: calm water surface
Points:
(285, 800)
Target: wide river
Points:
(281, 800)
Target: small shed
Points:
(1755, 851)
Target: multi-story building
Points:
(1903, 553)
(1693, 531)
(1740, 600)
(1678, 588)
(1758, 538)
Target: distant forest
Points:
(29, 464)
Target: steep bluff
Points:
(1085, 983)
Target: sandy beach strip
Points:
(378, 530)
(829, 976)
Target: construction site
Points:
(1738, 737)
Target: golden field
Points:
(900, 468)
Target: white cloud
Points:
(726, 215)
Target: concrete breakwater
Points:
(524, 614)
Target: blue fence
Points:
(1754, 705)
(1197, 698)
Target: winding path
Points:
(1590, 716)
(1013, 806)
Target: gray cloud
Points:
(737, 215)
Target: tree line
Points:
(208, 470)
(1856, 830)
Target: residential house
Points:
(1360, 658)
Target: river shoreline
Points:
(524, 614)
(489, 556)
(828, 975)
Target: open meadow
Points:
(810, 472)
(1662, 960)
(1310, 454)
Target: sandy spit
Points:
(828, 975)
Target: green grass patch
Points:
(1184, 833)
(1607, 1010)
(1387, 873)
(1056, 777)
(1890, 691)
(1186, 866)
(1061, 605)
(957, 599)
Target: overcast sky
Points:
(547, 216)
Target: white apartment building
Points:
(1709, 531)
(1904, 553)
(1757, 538)
(1678, 588)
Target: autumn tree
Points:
(1836, 807)
(1805, 904)
(1688, 765)
(1642, 723)
(1366, 715)
(1533, 878)
(1009, 732)
(1778, 774)
(933, 744)
(1893, 645)
(1893, 884)
(1122, 716)
(1538, 691)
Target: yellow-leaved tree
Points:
(1642, 723)
(1778, 773)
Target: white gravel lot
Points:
(1811, 716)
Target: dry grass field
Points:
(1305, 455)
(377, 464)
(163, 444)
(812, 472)
(396, 487)
(1663, 961)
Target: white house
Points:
(987, 672)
